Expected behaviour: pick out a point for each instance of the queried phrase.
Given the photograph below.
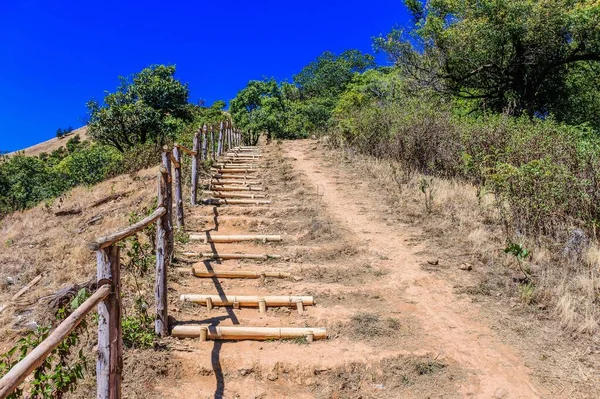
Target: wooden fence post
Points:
(195, 162)
(161, 323)
(229, 136)
(220, 143)
(168, 198)
(212, 143)
(204, 144)
(109, 365)
(177, 182)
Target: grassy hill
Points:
(54, 144)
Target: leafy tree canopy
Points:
(259, 107)
(329, 74)
(515, 56)
(147, 107)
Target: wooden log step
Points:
(234, 177)
(236, 165)
(213, 255)
(232, 160)
(249, 301)
(247, 332)
(234, 238)
(219, 194)
(233, 201)
(236, 170)
(222, 187)
(198, 272)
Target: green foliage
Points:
(89, 165)
(544, 173)
(288, 110)
(61, 370)
(24, 181)
(328, 75)
(150, 106)
(259, 107)
(60, 133)
(138, 329)
(518, 56)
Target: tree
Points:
(147, 107)
(510, 56)
(260, 107)
(329, 74)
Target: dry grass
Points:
(37, 241)
(465, 225)
(55, 143)
(393, 377)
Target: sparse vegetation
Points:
(61, 370)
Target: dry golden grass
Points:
(37, 241)
(55, 143)
(466, 224)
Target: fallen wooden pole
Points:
(238, 274)
(214, 255)
(233, 238)
(13, 378)
(248, 300)
(21, 292)
(252, 333)
(224, 201)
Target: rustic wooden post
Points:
(195, 162)
(161, 323)
(177, 182)
(109, 365)
(212, 143)
(229, 135)
(204, 144)
(168, 200)
(220, 143)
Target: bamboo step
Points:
(224, 201)
(237, 274)
(206, 332)
(218, 194)
(208, 238)
(214, 255)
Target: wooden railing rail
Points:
(21, 370)
(109, 240)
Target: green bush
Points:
(544, 173)
(90, 165)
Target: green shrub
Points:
(90, 165)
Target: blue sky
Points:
(58, 55)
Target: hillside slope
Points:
(51, 239)
(53, 144)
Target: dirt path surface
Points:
(395, 330)
(451, 325)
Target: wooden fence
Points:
(107, 296)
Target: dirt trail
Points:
(394, 329)
(452, 326)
